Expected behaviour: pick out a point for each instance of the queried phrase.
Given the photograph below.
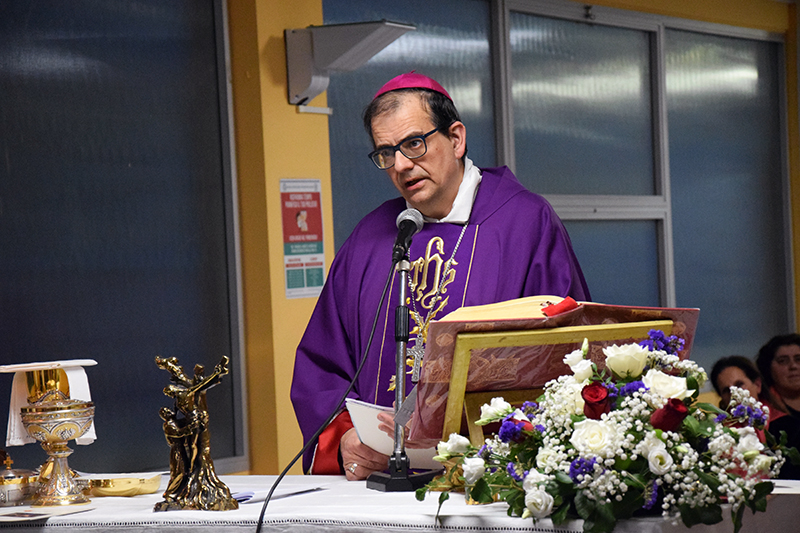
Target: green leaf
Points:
(481, 492)
(709, 408)
(421, 492)
(691, 383)
(757, 499)
(584, 506)
(707, 479)
(689, 515)
(736, 518)
(692, 425)
(602, 520)
(763, 489)
(443, 497)
(635, 480)
(631, 502)
(621, 465)
(711, 514)
(560, 516)
(577, 418)
(707, 427)
(605, 512)
(563, 478)
(792, 453)
(692, 516)
(515, 498)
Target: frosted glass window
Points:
(450, 44)
(114, 231)
(581, 107)
(725, 160)
(619, 259)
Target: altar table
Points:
(332, 504)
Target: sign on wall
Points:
(303, 251)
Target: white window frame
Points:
(656, 207)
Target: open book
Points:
(520, 308)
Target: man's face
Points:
(428, 183)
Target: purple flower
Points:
(581, 466)
(659, 341)
(530, 408)
(652, 497)
(740, 411)
(758, 418)
(512, 471)
(485, 452)
(721, 417)
(540, 428)
(613, 391)
(509, 431)
(630, 388)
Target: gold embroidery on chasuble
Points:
(428, 278)
(424, 276)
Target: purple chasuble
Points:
(514, 246)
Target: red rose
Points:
(669, 417)
(596, 400)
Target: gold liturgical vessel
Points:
(53, 419)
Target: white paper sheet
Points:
(365, 419)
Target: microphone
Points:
(409, 223)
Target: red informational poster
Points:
(303, 249)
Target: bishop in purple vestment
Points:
(501, 241)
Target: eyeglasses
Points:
(412, 148)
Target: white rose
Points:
(595, 437)
(748, 440)
(474, 467)
(457, 444)
(573, 358)
(495, 410)
(665, 385)
(545, 457)
(533, 479)
(626, 361)
(659, 460)
(539, 503)
(583, 370)
(763, 462)
(650, 442)
(569, 399)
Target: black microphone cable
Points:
(338, 404)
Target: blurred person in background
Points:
(779, 363)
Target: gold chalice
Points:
(53, 419)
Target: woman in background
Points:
(779, 363)
(738, 371)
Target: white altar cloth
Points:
(339, 505)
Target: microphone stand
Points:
(398, 478)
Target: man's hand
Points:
(386, 424)
(360, 460)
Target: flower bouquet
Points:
(630, 439)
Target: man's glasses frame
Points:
(384, 157)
